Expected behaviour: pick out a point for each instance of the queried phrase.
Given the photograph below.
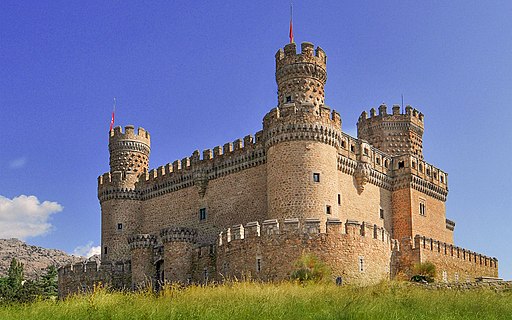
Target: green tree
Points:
(48, 283)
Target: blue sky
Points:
(197, 74)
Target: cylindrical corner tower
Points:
(120, 203)
(129, 153)
(301, 77)
(178, 248)
(143, 269)
(396, 133)
(301, 137)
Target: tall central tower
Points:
(301, 139)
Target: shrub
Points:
(424, 272)
(309, 268)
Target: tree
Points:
(48, 283)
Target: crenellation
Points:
(196, 219)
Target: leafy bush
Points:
(309, 268)
(424, 272)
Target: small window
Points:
(328, 209)
(386, 163)
(381, 213)
(352, 148)
(414, 165)
(365, 151)
(361, 264)
(421, 168)
(378, 161)
(423, 210)
(428, 172)
(316, 177)
(343, 144)
(258, 264)
(105, 250)
(202, 214)
(442, 179)
(212, 249)
(339, 199)
(119, 226)
(288, 99)
(401, 164)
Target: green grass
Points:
(275, 301)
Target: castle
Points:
(369, 207)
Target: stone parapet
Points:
(178, 234)
(142, 241)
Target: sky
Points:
(197, 74)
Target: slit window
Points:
(423, 208)
(339, 199)
(258, 264)
(104, 250)
(316, 177)
(381, 213)
(202, 214)
(119, 226)
(328, 209)
(361, 264)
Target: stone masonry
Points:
(369, 207)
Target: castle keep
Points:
(369, 207)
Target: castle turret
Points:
(129, 153)
(301, 138)
(301, 77)
(120, 203)
(396, 133)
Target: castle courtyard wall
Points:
(239, 196)
(357, 255)
(364, 206)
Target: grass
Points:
(274, 301)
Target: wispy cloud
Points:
(87, 250)
(18, 163)
(25, 216)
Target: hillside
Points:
(35, 259)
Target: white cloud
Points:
(87, 250)
(24, 216)
(18, 163)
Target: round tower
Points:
(396, 133)
(120, 203)
(301, 137)
(129, 153)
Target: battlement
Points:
(306, 227)
(178, 234)
(129, 133)
(410, 164)
(308, 54)
(445, 249)
(411, 114)
(137, 241)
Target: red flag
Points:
(291, 23)
(113, 112)
(112, 121)
(291, 31)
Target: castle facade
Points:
(369, 207)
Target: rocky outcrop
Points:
(35, 259)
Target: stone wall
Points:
(82, 277)
(358, 253)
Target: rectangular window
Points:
(339, 199)
(423, 209)
(202, 214)
(316, 177)
(119, 226)
(381, 213)
(258, 264)
(105, 250)
(328, 209)
(401, 164)
(361, 264)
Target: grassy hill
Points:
(275, 301)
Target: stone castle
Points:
(369, 207)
